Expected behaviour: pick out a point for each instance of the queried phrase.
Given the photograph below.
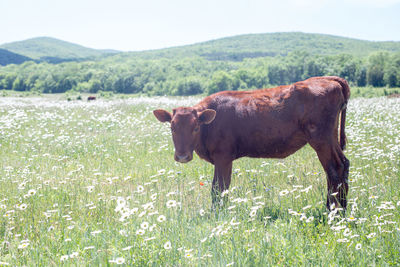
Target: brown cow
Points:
(91, 98)
(267, 123)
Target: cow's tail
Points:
(343, 138)
(346, 95)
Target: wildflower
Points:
(74, 255)
(253, 212)
(161, 218)
(347, 232)
(90, 188)
(371, 235)
(201, 183)
(134, 210)
(284, 192)
(167, 245)
(343, 240)
(310, 219)
(140, 189)
(153, 213)
(142, 214)
(358, 246)
(140, 232)
(351, 219)
(89, 247)
(119, 260)
(121, 202)
(306, 189)
(24, 244)
(171, 203)
(188, 255)
(148, 206)
(64, 258)
(23, 206)
(151, 228)
(170, 193)
(201, 212)
(293, 212)
(31, 192)
(233, 223)
(144, 225)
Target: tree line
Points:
(197, 75)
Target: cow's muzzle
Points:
(183, 158)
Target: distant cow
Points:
(90, 98)
(267, 123)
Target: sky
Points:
(131, 25)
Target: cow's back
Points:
(269, 123)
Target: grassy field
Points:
(95, 183)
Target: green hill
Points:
(7, 57)
(53, 50)
(270, 59)
(234, 48)
(273, 44)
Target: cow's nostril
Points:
(182, 158)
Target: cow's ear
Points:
(207, 116)
(162, 115)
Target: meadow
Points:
(95, 184)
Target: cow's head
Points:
(185, 127)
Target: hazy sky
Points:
(149, 24)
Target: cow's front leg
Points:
(221, 181)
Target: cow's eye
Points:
(196, 129)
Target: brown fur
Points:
(267, 123)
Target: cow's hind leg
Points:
(336, 166)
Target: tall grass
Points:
(95, 184)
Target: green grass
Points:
(95, 183)
(369, 92)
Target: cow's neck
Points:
(201, 147)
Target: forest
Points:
(203, 69)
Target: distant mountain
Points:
(239, 47)
(234, 48)
(53, 50)
(7, 57)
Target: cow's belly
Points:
(257, 146)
